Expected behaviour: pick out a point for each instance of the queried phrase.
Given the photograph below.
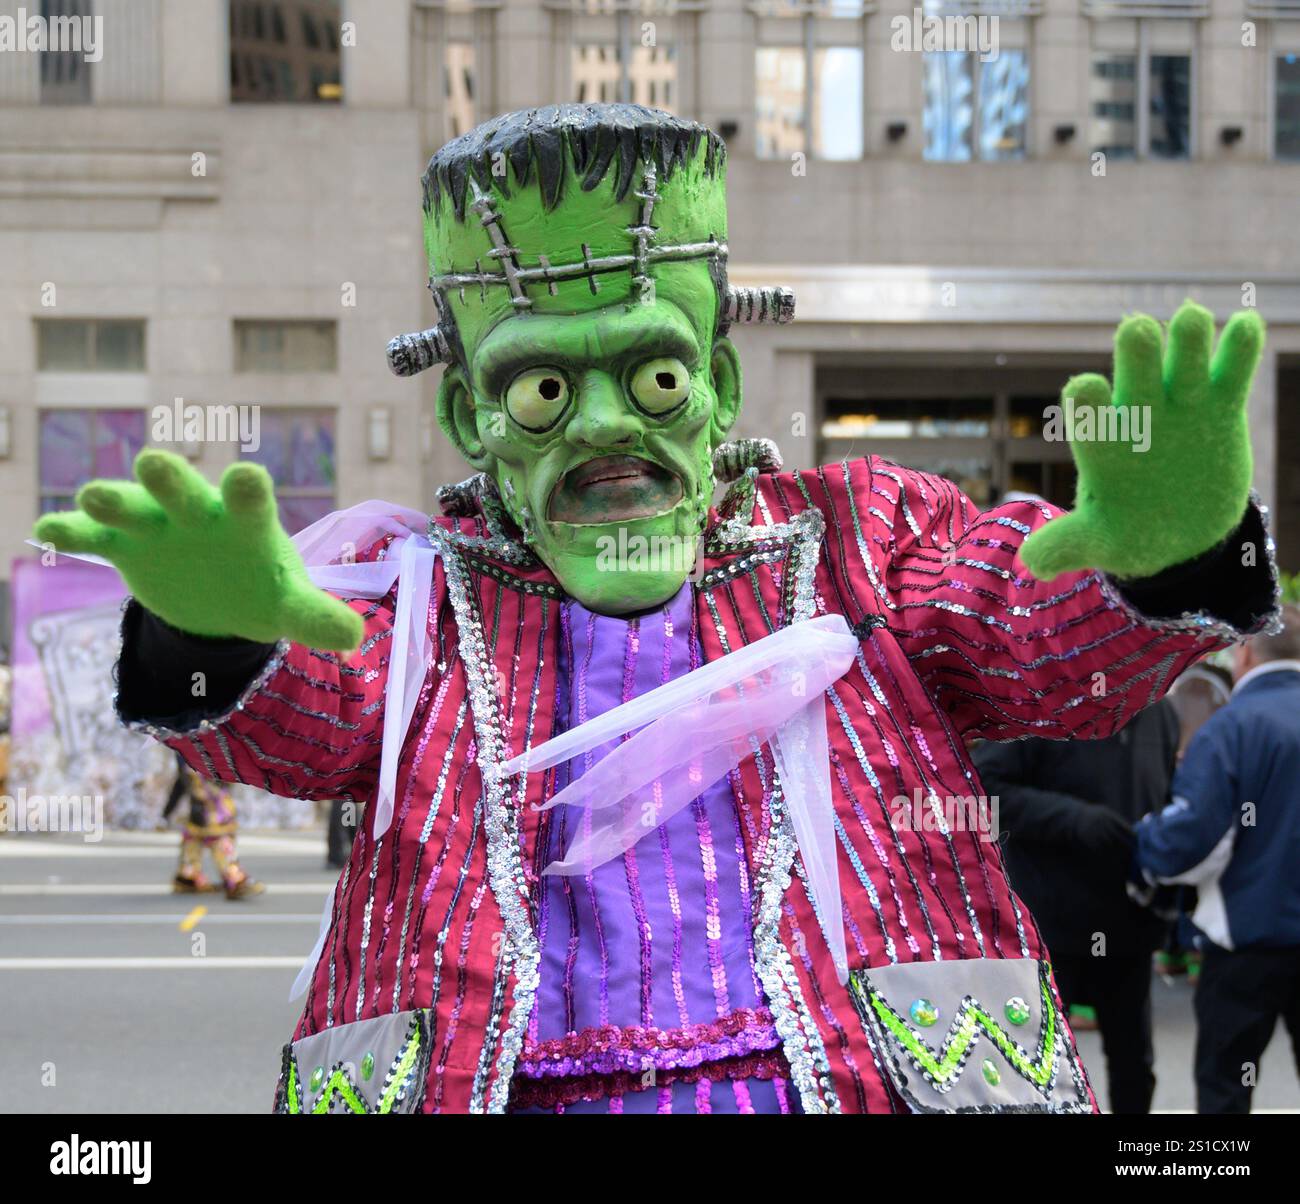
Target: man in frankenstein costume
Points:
(647, 836)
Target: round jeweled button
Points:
(367, 1065)
(1017, 1010)
(317, 1078)
(992, 1075)
(923, 1012)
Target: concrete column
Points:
(726, 73)
(195, 53)
(893, 83)
(529, 61)
(377, 69)
(779, 396)
(1059, 72)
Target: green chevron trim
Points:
(947, 1065)
(341, 1085)
(397, 1075)
(291, 1101)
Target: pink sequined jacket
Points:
(421, 995)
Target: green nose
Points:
(603, 417)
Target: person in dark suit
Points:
(1066, 811)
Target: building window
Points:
(451, 48)
(1140, 89)
(836, 100)
(89, 345)
(297, 449)
(459, 87)
(597, 74)
(977, 109)
(649, 79)
(626, 59)
(1170, 106)
(65, 73)
(1113, 95)
(939, 433)
(949, 113)
(808, 81)
(1286, 101)
(285, 51)
(292, 346)
(79, 445)
(1004, 105)
(779, 82)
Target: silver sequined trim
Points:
(520, 953)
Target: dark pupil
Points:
(549, 388)
(665, 380)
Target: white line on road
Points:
(248, 917)
(150, 963)
(311, 838)
(316, 889)
(26, 847)
(299, 840)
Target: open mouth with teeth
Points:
(612, 488)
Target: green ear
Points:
(725, 367)
(454, 409)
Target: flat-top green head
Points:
(578, 257)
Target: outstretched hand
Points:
(209, 562)
(1146, 504)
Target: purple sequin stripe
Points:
(661, 937)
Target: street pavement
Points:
(131, 998)
(119, 996)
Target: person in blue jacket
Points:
(1233, 831)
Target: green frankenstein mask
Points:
(577, 256)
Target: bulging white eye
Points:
(661, 385)
(537, 398)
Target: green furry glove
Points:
(1171, 478)
(209, 562)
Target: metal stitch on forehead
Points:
(644, 232)
(646, 252)
(501, 251)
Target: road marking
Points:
(151, 963)
(305, 838)
(193, 918)
(29, 850)
(230, 917)
(26, 847)
(316, 889)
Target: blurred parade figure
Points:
(211, 826)
(1233, 831)
(1068, 809)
